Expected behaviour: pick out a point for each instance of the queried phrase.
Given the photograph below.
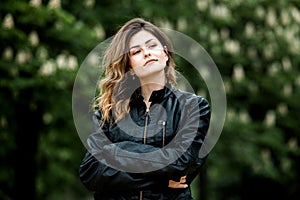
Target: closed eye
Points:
(135, 52)
(152, 46)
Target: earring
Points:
(132, 74)
(165, 48)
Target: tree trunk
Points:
(27, 125)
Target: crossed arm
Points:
(97, 175)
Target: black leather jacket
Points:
(136, 157)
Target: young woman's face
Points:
(146, 54)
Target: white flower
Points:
(47, 68)
(232, 46)
(238, 72)
(8, 22)
(33, 38)
(72, 63)
(8, 53)
(53, 4)
(35, 3)
(270, 118)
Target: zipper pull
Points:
(163, 123)
(146, 126)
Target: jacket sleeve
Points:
(183, 153)
(99, 177)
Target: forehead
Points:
(141, 38)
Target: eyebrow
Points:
(139, 45)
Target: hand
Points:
(180, 184)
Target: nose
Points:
(146, 52)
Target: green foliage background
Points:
(254, 43)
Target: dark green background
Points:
(254, 43)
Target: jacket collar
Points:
(156, 96)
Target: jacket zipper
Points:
(144, 140)
(163, 133)
(146, 126)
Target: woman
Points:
(147, 134)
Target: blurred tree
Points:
(256, 47)
(40, 54)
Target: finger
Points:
(183, 179)
(174, 184)
(182, 186)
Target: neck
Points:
(150, 84)
(148, 89)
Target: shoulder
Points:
(190, 98)
(97, 114)
(98, 118)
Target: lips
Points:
(149, 61)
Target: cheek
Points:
(164, 58)
(135, 61)
(132, 63)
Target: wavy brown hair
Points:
(118, 85)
